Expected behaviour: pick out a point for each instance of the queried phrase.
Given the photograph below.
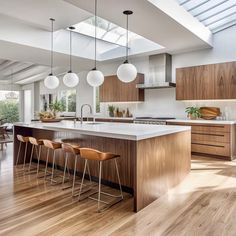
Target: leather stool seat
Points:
(93, 154)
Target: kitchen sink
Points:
(93, 123)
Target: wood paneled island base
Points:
(149, 167)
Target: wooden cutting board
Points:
(210, 113)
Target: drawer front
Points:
(222, 149)
(216, 137)
(204, 128)
(210, 129)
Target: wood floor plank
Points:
(203, 204)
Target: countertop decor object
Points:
(111, 110)
(209, 113)
(193, 112)
(50, 120)
(127, 72)
(71, 79)
(51, 81)
(95, 77)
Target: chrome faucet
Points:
(91, 112)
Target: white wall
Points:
(161, 102)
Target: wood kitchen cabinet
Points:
(217, 140)
(113, 90)
(225, 80)
(214, 81)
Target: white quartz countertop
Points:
(201, 121)
(111, 130)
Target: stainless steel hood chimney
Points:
(160, 71)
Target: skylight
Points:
(106, 31)
(217, 15)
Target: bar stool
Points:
(75, 151)
(22, 140)
(37, 145)
(92, 154)
(51, 145)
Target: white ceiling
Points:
(25, 38)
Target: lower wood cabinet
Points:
(217, 140)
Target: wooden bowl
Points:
(50, 120)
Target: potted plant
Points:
(193, 112)
(111, 110)
(56, 107)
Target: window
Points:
(68, 99)
(9, 106)
(214, 14)
(106, 31)
(97, 102)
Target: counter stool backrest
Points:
(51, 144)
(22, 138)
(74, 149)
(35, 141)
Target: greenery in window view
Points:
(97, 100)
(72, 102)
(9, 109)
(68, 100)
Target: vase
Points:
(111, 113)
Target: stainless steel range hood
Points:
(160, 70)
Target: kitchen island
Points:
(152, 159)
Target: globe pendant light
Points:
(71, 79)
(95, 77)
(127, 72)
(51, 81)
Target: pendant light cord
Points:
(52, 20)
(70, 50)
(95, 40)
(12, 80)
(127, 37)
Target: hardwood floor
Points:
(203, 204)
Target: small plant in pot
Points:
(56, 107)
(111, 110)
(193, 112)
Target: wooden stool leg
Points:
(46, 167)
(99, 185)
(39, 155)
(118, 176)
(75, 165)
(90, 180)
(82, 182)
(18, 154)
(65, 168)
(31, 157)
(26, 146)
(53, 164)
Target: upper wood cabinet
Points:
(225, 80)
(215, 81)
(113, 90)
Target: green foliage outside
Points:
(68, 102)
(72, 102)
(9, 109)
